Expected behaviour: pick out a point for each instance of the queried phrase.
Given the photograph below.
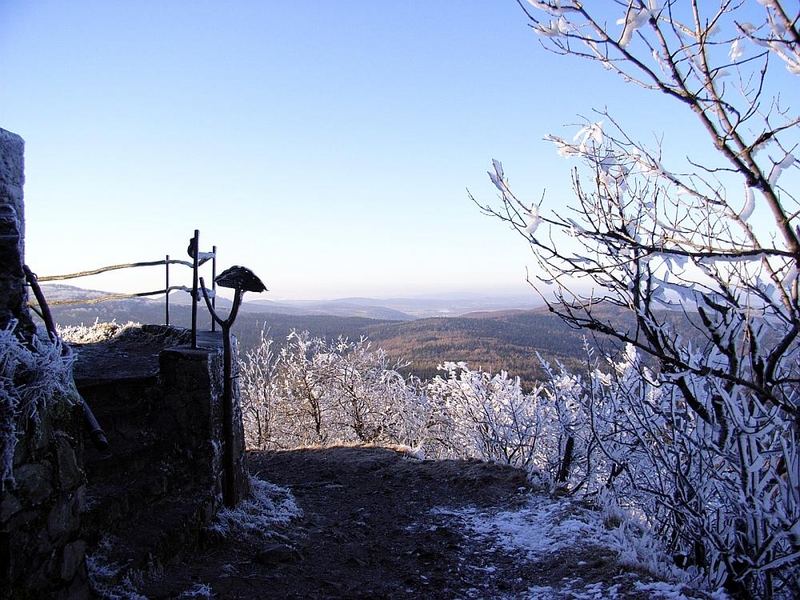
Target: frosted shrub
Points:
(267, 507)
(701, 254)
(32, 376)
(318, 392)
(487, 416)
(259, 388)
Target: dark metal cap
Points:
(240, 278)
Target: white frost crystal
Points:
(31, 377)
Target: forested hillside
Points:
(493, 341)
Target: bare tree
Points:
(703, 259)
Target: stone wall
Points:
(193, 389)
(41, 550)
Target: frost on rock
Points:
(268, 505)
(98, 332)
(32, 377)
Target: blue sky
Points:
(326, 145)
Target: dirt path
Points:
(378, 524)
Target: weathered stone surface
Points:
(39, 436)
(70, 474)
(72, 558)
(23, 519)
(9, 507)
(79, 588)
(162, 482)
(40, 513)
(34, 482)
(64, 517)
(13, 293)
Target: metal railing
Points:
(197, 260)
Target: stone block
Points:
(70, 475)
(9, 507)
(72, 558)
(65, 517)
(34, 481)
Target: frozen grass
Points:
(268, 505)
(198, 590)
(104, 575)
(99, 332)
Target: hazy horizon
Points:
(524, 295)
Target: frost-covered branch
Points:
(697, 269)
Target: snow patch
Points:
(539, 528)
(267, 506)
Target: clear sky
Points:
(326, 145)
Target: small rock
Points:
(277, 553)
(64, 517)
(72, 558)
(9, 507)
(69, 473)
(34, 480)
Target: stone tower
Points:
(13, 293)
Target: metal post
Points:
(196, 253)
(166, 296)
(214, 284)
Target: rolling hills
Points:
(492, 340)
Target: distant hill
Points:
(491, 340)
(337, 308)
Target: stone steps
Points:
(139, 512)
(150, 495)
(145, 543)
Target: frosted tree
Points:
(481, 415)
(316, 391)
(258, 381)
(703, 256)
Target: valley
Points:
(492, 340)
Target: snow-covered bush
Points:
(33, 375)
(318, 392)
(267, 506)
(258, 383)
(477, 414)
(702, 254)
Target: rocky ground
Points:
(376, 523)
